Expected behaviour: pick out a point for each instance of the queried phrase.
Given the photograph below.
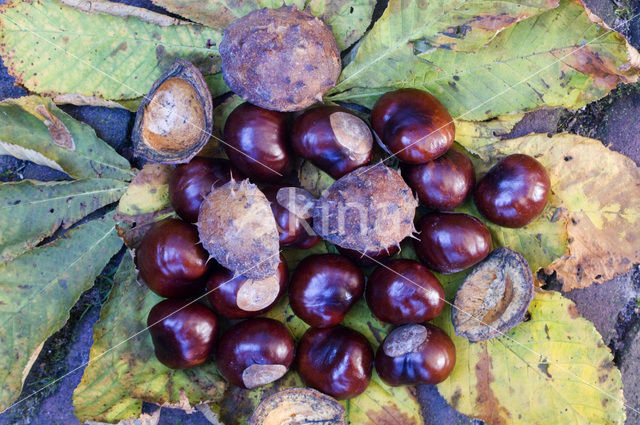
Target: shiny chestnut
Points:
(183, 332)
(514, 191)
(413, 125)
(256, 141)
(171, 260)
(337, 361)
(369, 258)
(332, 138)
(451, 242)
(323, 289)
(444, 183)
(292, 230)
(255, 352)
(404, 291)
(238, 297)
(415, 354)
(191, 182)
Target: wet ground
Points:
(614, 307)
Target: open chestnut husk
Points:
(514, 191)
(332, 138)
(323, 289)
(299, 406)
(191, 182)
(415, 354)
(183, 332)
(337, 361)
(404, 291)
(444, 183)
(255, 352)
(174, 121)
(413, 125)
(282, 59)
(494, 297)
(293, 230)
(171, 260)
(451, 242)
(237, 297)
(256, 141)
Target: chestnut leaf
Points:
(556, 58)
(52, 48)
(49, 206)
(123, 371)
(551, 369)
(597, 196)
(24, 133)
(38, 290)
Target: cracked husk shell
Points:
(299, 406)
(367, 210)
(494, 297)
(174, 121)
(237, 228)
(282, 59)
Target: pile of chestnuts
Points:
(237, 214)
(330, 357)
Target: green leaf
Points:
(38, 289)
(558, 58)
(123, 369)
(53, 49)
(348, 19)
(25, 135)
(551, 369)
(380, 404)
(48, 206)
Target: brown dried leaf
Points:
(59, 132)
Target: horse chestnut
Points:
(415, 354)
(183, 332)
(404, 291)
(255, 352)
(514, 191)
(444, 183)
(292, 230)
(332, 138)
(256, 142)
(451, 242)
(413, 125)
(323, 289)
(237, 297)
(337, 361)
(171, 260)
(190, 183)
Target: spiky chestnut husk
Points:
(237, 228)
(367, 210)
(282, 59)
(494, 297)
